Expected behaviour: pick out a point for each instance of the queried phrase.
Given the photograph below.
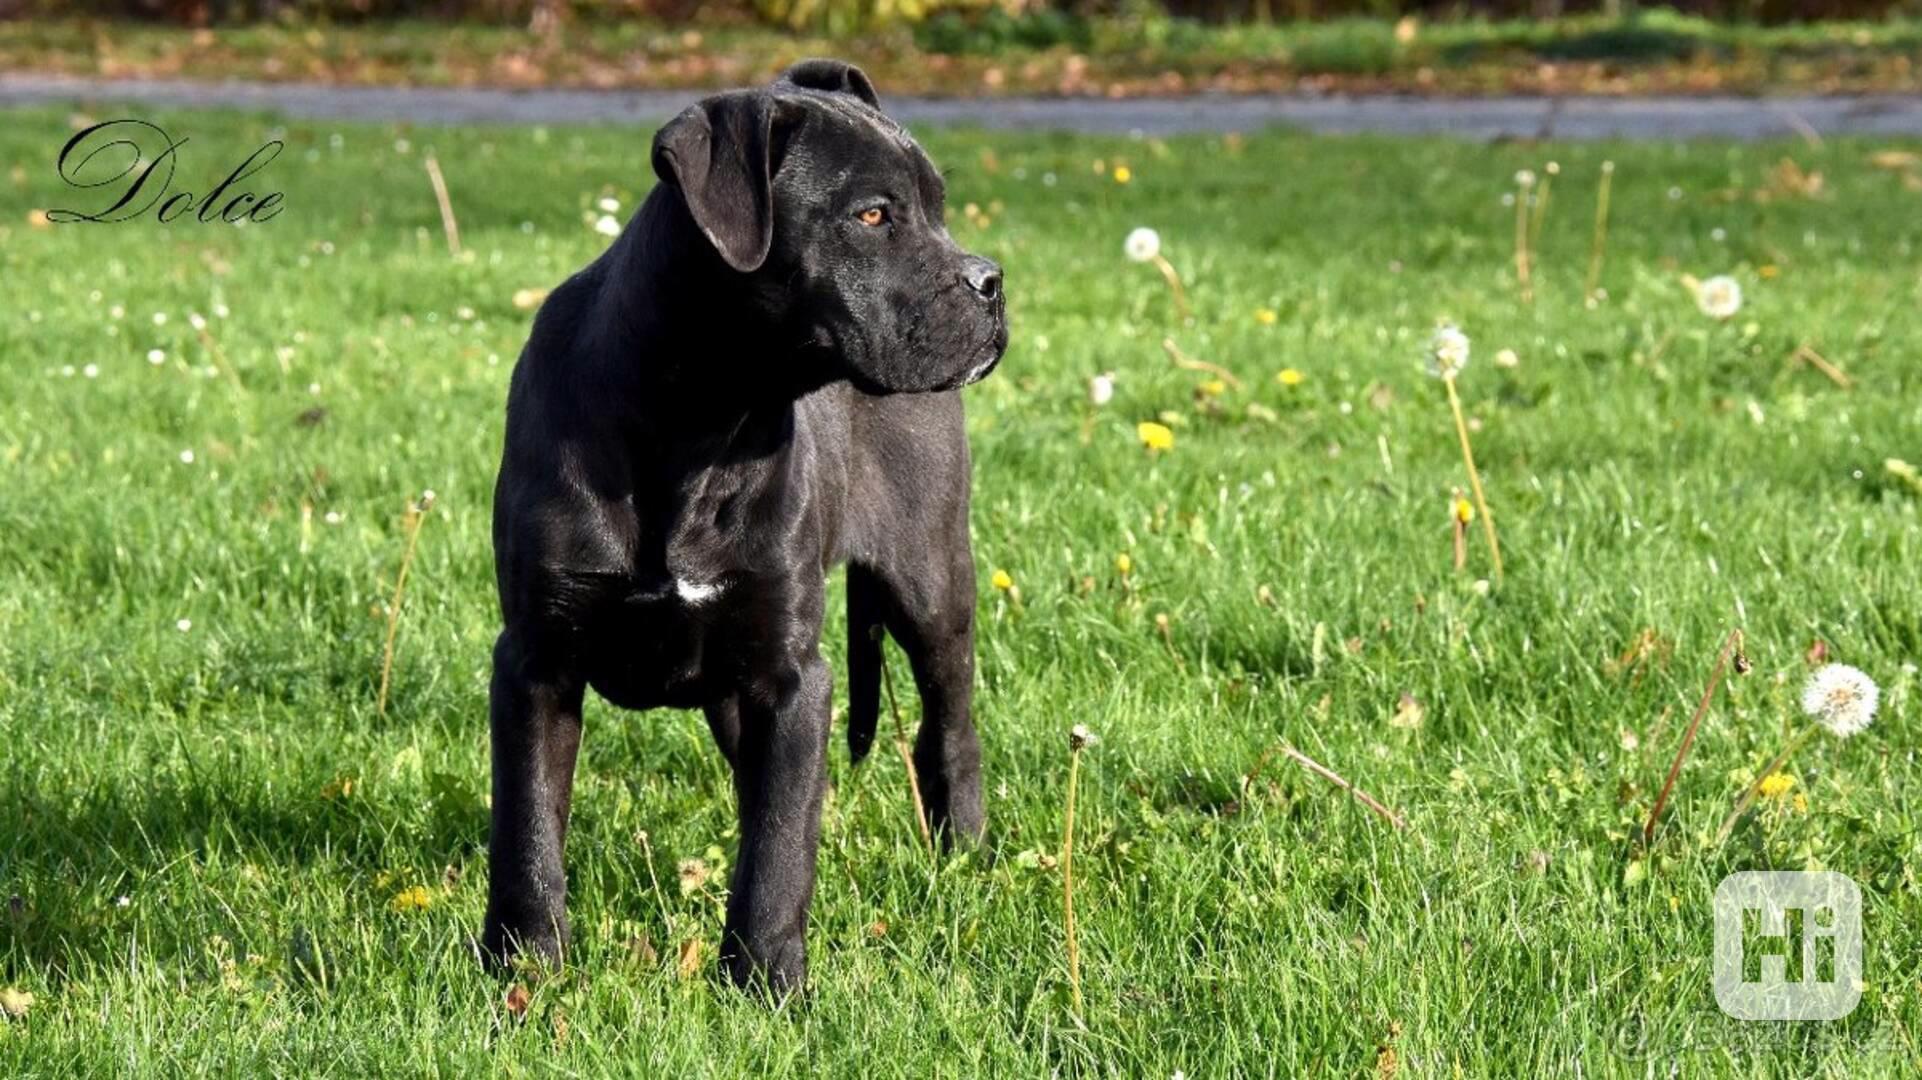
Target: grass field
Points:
(211, 841)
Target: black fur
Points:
(752, 385)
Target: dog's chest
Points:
(654, 643)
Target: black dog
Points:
(754, 384)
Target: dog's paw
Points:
(776, 971)
(503, 948)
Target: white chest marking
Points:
(695, 593)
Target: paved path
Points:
(1476, 118)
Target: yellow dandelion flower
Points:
(1289, 377)
(1464, 511)
(1124, 565)
(1775, 785)
(1002, 580)
(1769, 271)
(1266, 316)
(1800, 802)
(1123, 174)
(414, 899)
(1155, 436)
(1214, 387)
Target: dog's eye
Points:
(874, 215)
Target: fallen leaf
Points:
(15, 1002)
(517, 1000)
(1818, 651)
(690, 958)
(1409, 712)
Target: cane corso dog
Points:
(755, 383)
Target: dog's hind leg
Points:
(724, 720)
(930, 611)
(867, 611)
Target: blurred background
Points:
(972, 47)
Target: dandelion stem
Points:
(1067, 882)
(416, 513)
(1460, 529)
(447, 223)
(907, 759)
(1541, 212)
(1731, 646)
(647, 852)
(1336, 779)
(1748, 797)
(220, 359)
(1474, 478)
(1601, 232)
(1174, 285)
(1522, 277)
(1183, 360)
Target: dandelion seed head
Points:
(1447, 351)
(156, 357)
(1142, 245)
(1101, 389)
(1080, 738)
(607, 226)
(1841, 699)
(1719, 297)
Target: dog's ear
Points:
(834, 76)
(720, 154)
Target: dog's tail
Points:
(867, 602)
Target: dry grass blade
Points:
(1183, 360)
(1806, 354)
(447, 223)
(907, 758)
(416, 513)
(1731, 646)
(1341, 782)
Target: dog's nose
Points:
(983, 276)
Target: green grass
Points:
(1045, 52)
(1650, 469)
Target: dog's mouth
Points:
(980, 370)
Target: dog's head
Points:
(833, 218)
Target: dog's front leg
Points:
(779, 778)
(536, 729)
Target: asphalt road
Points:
(1574, 117)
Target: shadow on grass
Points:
(68, 862)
